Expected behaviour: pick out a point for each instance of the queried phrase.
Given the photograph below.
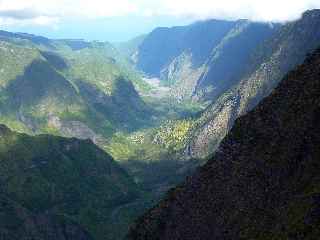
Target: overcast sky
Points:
(117, 20)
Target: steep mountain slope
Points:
(27, 38)
(201, 59)
(286, 49)
(162, 45)
(129, 48)
(107, 85)
(263, 182)
(71, 88)
(57, 188)
(229, 60)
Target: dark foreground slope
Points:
(57, 188)
(264, 181)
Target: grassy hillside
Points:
(68, 87)
(68, 180)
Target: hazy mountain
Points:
(25, 37)
(269, 63)
(162, 45)
(230, 59)
(203, 59)
(130, 47)
(263, 182)
(57, 188)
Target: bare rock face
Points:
(75, 129)
(182, 76)
(264, 180)
(79, 130)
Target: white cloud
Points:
(264, 10)
(48, 12)
(37, 20)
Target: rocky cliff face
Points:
(286, 49)
(262, 183)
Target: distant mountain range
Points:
(69, 87)
(203, 59)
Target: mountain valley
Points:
(93, 133)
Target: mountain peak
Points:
(314, 13)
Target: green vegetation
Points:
(91, 90)
(136, 146)
(13, 61)
(84, 90)
(68, 178)
(173, 134)
(68, 81)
